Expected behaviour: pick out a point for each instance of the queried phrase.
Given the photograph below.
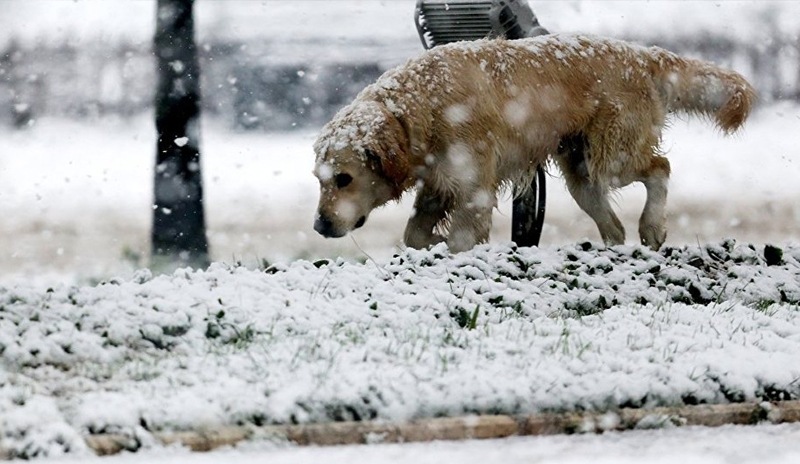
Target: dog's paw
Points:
(613, 235)
(653, 236)
(421, 241)
(461, 240)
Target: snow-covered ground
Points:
(420, 334)
(497, 330)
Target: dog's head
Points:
(361, 163)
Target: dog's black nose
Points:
(323, 226)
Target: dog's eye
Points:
(343, 180)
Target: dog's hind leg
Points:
(652, 223)
(430, 209)
(593, 199)
(590, 196)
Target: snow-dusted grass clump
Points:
(498, 329)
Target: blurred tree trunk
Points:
(179, 233)
(797, 79)
(21, 111)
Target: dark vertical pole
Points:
(179, 233)
(527, 211)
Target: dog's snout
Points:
(327, 228)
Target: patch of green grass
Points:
(218, 328)
(466, 319)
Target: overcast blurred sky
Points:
(80, 20)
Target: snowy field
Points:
(87, 215)
(312, 330)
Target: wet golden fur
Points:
(463, 120)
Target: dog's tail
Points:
(698, 87)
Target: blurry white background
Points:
(77, 140)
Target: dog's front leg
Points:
(430, 210)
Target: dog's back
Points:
(531, 93)
(622, 94)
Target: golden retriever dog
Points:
(464, 120)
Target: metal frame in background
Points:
(444, 21)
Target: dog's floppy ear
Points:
(390, 156)
(373, 161)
